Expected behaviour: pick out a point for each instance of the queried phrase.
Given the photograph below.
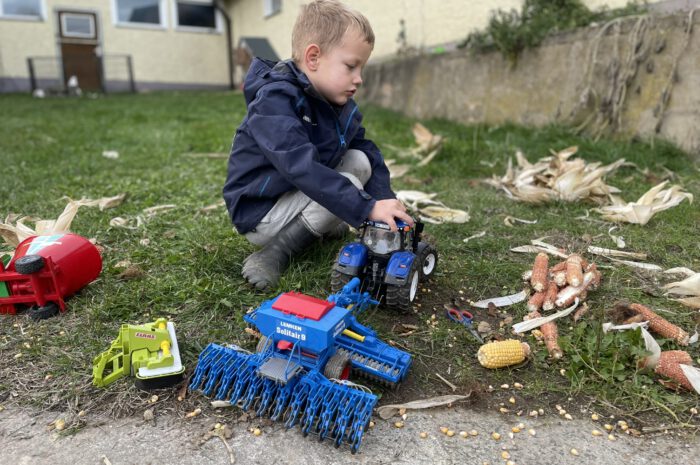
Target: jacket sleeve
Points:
(283, 140)
(379, 185)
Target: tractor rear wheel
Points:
(339, 280)
(29, 264)
(400, 297)
(338, 366)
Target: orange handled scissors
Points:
(465, 318)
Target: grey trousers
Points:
(354, 165)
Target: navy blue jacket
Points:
(292, 138)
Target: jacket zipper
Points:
(347, 126)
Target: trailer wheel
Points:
(29, 264)
(400, 297)
(339, 280)
(338, 366)
(427, 259)
(42, 313)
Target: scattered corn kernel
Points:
(534, 413)
(595, 417)
(444, 429)
(612, 437)
(596, 432)
(504, 386)
(371, 424)
(562, 372)
(510, 462)
(568, 417)
(154, 399)
(532, 432)
(423, 435)
(558, 407)
(511, 400)
(82, 413)
(257, 432)
(217, 426)
(503, 410)
(48, 377)
(495, 436)
(60, 424)
(505, 455)
(473, 433)
(450, 433)
(608, 427)
(515, 429)
(463, 434)
(194, 413)
(521, 426)
(399, 424)
(510, 434)
(694, 411)
(540, 411)
(574, 452)
(517, 385)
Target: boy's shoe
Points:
(263, 268)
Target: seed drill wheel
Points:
(338, 367)
(29, 264)
(427, 259)
(339, 280)
(400, 297)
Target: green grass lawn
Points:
(191, 261)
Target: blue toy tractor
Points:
(390, 265)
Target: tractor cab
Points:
(381, 240)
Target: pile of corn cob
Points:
(558, 287)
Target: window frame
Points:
(93, 27)
(162, 16)
(40, 17)
(218, 23)
(269, 8)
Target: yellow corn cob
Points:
(502, 353)
(660, 325)
(539, 272)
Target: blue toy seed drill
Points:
(299, 373)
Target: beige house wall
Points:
(428, 23)
(162, 56)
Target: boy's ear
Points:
(311, 55)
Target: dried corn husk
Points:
(653, 201)
(437, 214)
(555, 178)
(538, 279)
(396, 170)
(12, 235)
(690, 286)
(503, 301)
(692, 374)
(669, 366)
(531, 322)
(658, 324)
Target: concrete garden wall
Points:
(637, 76)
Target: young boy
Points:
(300, 166)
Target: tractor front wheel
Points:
(338, 367)
(400, 297)
(427, 259)
(42, 313)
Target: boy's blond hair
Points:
(324, 23)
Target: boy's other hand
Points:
(388, 210)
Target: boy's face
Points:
(338, 70)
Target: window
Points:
(146, 12)
(81, 26)
(271, 7)
(22, 8)
(193, 13)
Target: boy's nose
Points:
(357, 80)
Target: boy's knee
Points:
(356, 163)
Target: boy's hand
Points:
(387, 210)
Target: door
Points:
(78, 38)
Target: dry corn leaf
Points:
(396, 170)
(615, 253)
(510, 220)
(533, 323)
(653, 201)
(474, 236)
(427, 141)
(388, 411)
(14, 234)
(501, 301)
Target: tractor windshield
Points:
(381, 241)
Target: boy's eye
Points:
(351, 67)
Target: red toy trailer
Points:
(44, 271)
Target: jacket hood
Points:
(264, 72)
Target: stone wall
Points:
(634, 76)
